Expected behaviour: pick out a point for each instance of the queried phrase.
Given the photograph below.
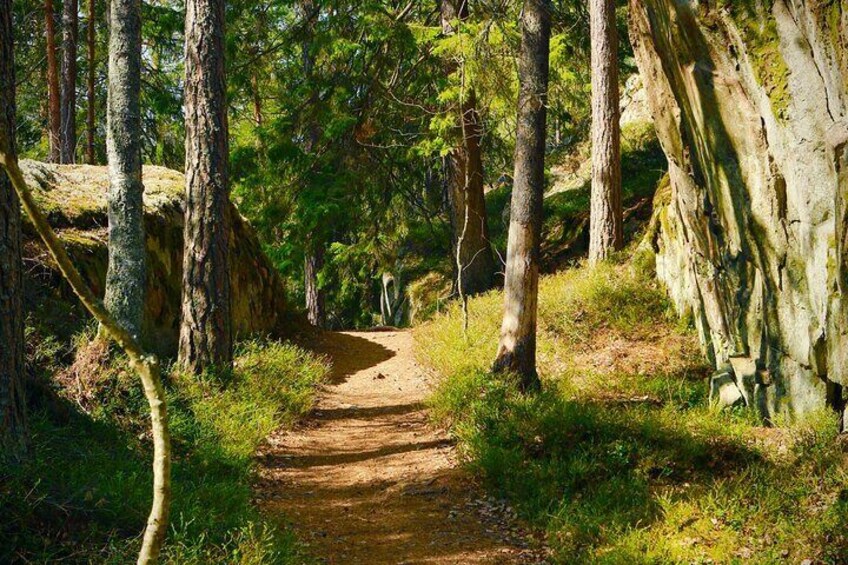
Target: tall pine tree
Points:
(517, 348)
(125, 277)
(12, 407)
(206, 339)
(606, 231)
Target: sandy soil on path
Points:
(366, 479)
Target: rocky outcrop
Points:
(74, 199)
(749, 101)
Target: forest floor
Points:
(368, 479)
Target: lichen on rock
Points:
(745, 97)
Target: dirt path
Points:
(367, 480)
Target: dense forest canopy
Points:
(339, 112)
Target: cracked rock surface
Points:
(749, 100)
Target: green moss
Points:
(758, 29)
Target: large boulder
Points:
(74, 199)
(749, 101)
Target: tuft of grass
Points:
(83, 494)
(621, 459)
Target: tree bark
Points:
(517, 348)
(90, 32)
(12, 369)
(606, 231)
(125, 276)
(313, 264)
(54, 112)
(206, 339)
(314, 253)
(475, 262)
(68, 130)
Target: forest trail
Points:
(367, 479)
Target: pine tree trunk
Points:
(54, 112)
(206, 339)
(475, 261)
(517, 348)
(12, 401)
(606, 231)
(89, 146)
(313, 264)
(68, 129)
(314, 259)
(125, 277)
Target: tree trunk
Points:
(313, 264)
(606, 232)
(54, 112)
(206, 339)
(68, 131)
(12, 370)
(517, 348)
(257, 99)
(89, 146)
(475, 262)
(314, 260)
(125, 277)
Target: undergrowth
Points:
(621, 459)
(83, 493)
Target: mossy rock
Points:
(74, 199)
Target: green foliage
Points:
(84, 493)
(621, 459)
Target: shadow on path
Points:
(367, 480)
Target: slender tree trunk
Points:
(125, 277)
(54, 112)
(606, 231)
(475, 261)
(257, 99)
(313, 264)
(70, 33)
(314, 256)
(12, 370)
(517, 348)
(90, 30)
(206, 339)
(147, 366)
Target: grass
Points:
(83, 494)
(621, 459)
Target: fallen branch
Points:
(147, 366)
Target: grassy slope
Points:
(83, 496)
(621, 459)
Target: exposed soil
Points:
(367, 479)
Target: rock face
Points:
(749, 100)
(74, 199)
